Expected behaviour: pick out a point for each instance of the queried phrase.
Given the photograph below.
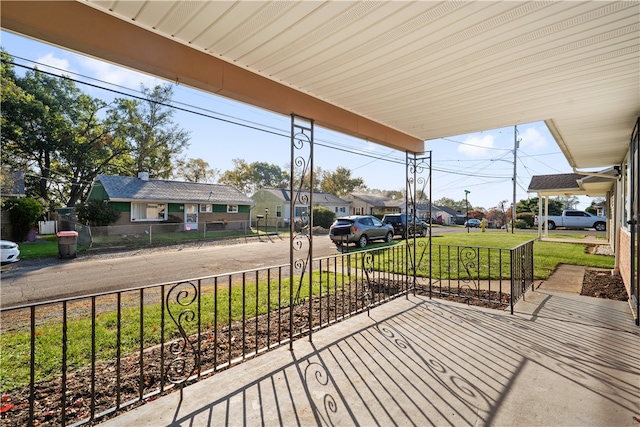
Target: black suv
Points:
(400, 227)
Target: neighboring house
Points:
(577, 184)
(367, 204)
(448, 216)
(278, 202)
(189, 204)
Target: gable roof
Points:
(126, 188)
(319, 197)
(596, 184)
(447, 210)
(377, 201)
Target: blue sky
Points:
(481, 163)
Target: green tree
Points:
(249, 178)
(531, 205)
(195, 170)
(568, 202)
(96, 213)
(155, 140)
(23, 214)
(339, 182)
(323, 216)
(51, 131)
(460, 206)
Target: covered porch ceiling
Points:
(393, 72)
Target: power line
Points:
(231, 120)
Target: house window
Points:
(232, 208)
(279, 211)
(148, 212)
(206, 208)
(301, 210)
(342, 209)
(358, 210)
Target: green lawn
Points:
(485, 260)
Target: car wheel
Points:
(551, 225)
(389, 237)
(362, 241)
(600, 226)
(424, 232)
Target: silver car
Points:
(360, 229)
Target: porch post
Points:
(301, 184)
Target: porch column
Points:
(301, 184)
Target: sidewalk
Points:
(561, 360)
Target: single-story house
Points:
(278, 203)
(187, 205)
(368, 204)
(449, 215)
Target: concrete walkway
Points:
(561, 360)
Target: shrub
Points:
(521, 223)
(96, 213)
(527, 217)
(23, 214)
(323, 217)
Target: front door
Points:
(190, 216)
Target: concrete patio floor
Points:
(561, 360)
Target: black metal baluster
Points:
(257, 314)
(118, 350)
(244, 315)
(32, 366)
(93, 358)
(63, 397)
(268, 308)
(163, 307)
(141, 351)
(215, 324)
(229, 319)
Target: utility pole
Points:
(515, 158)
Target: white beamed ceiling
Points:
(433, 69)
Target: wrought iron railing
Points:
(78, 360)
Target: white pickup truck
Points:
(575, 219)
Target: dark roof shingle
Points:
(130, 188)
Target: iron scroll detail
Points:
(182, 302)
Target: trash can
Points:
(67, 244)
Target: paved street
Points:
(41, 280)
(28, 282)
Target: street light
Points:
(466, 202)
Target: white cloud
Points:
(56, 64)
(532, 139)
(116, 75)
(476, 145)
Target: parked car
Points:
(415, 226)
(359, 229)
(574, 219)
(10, 251)
(473, 223)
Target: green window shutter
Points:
(121, 206)
(176, 207)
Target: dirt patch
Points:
(602, 283)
